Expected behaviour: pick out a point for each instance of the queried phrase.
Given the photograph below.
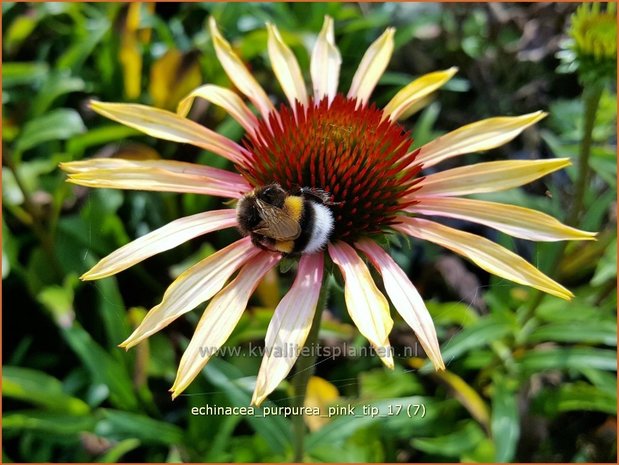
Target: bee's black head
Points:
(272, 194)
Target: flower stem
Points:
(304, 371)
(591, 102)
(33, 217)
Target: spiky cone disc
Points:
(353, 152)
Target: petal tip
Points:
(256, 400)
(124, 345)
(128, 344)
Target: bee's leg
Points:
(319, 194)
(263, 243)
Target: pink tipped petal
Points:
(286, 68)
(484, 253)
(238, 73)
(325, 63)
(170, 126)
(418, 90)
(491, 176)
(405, 299)
(219, 319)
(87, 166)
(366, 305)
(160, 240)
(225, 99)
(194, 286)
(511, 219)
(372, 67)
(289, 327)
(156, 175)
(476, 137)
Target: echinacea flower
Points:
(591, 47)
(342, 145)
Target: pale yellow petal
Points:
(325, 63)
(160, 240)
(156, 175)
(170, 126)
(418, 106)
(511, 219)
(372, 67)
(194, 169)
(219, 319)
(416, 92)
(225, 99)
(366, 305)
(194, 286)
(476, 137)
(484, 253)
(405, 299)
(491, 176)
(289, 326)
(238, 73)
(286, 68)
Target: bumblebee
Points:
(281, 221)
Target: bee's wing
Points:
(276, 223)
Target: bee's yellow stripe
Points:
(284, 246)
(294, 206)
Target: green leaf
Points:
(58, 300)
(274, 429)
(57, 85)
(381, 383)
(112, 311)
(592, 332)
(18, 31)
(606, 168)
(482, 332)
(103, 368)
(14, 73)
(392, 414)
(124, 425)
(483, 453)
(467, 396)
(566, 358)
(364, 446)
(97, 136)
(30, 174)
(607, 266)
(452, 313)
(40, 389)
(505, 422)
(464, 439)
(80, 49)
(60, 124)
(424, 131)
(575, 396)
(10, 249)
(555, 310)
(47, 422)
(604, 381)
(115, 453)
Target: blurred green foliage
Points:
(525, 382)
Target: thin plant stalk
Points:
(304, 371)
(591, 103)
